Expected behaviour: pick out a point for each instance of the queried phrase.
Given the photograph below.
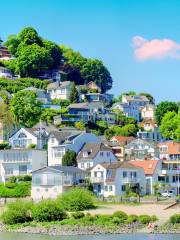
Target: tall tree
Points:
(164, 107)
(26, 110)
(69, 159)
(74, 95)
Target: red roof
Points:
(122, 139)
(149, 166)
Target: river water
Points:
(15, 236)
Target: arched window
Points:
(22, 135)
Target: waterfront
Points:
(16, 236)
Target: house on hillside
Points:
(118, 144)
(5, 73)
(50, 182)
(94, 153)
(59, 90)
(148, 111)
(112, 179)
(14, 162)
(60, 142)
(152, 169)
(41, 95)
(92, 86)
(4, 53)
(24, 137)
(140, 149)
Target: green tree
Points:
(169, 125)
(29, 36)
(69, 158)
(12, 43)
(149, 96)
(164, 107)
(26, 110)
(80, 125)
(74, 95)
(32, 60)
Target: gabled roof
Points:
(57, 85)
(92, 149)
(60, 169)
(149, 166)
(123, 139)
(117, 165)
(148, 121)
(136, 98)
(35, 132)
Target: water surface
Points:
(15, 236)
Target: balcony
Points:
(170, 171)
(131, 180)
(98, 180)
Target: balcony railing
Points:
(130, 180)
(97, 179)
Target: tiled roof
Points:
(92, 149)
(122, 139)
(62, 136)
(149, 166)
(173, 147)
(61, 169)
(56, 85)
(117, 165)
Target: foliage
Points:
(69, 158)
(126, 130)
(32, 146)
(21, 189)
(17, 212)
(132, 218)
(25, 108)
(170, 125)
(175, 219)
(164, 107)
(6, 118)
(21, 83)
(20, 178)
(144, 219)
(61, 102)
(122, 216)
(80, 125)
(74, 95)
(149, 97)
(78, 215)
(89, 69)
(77, 199)
(4, 145)
(48, 210)
(33, 54)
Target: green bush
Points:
(78, 215)
(154, 218)
(17, 212)
(144, 219)
(132, 218)
(175, 218)
(121, 215)
(77, 199)
(48, 210)
(116, 220)
(15, 190)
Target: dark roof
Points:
(45, 126)
(57, 85)
(62, 136)
(117, 165)
(92, 149)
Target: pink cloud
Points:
(155, 49)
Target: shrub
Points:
(17, 212)
(116, 220)
(132, 218)
(121, 215)
(175, 218)
(32, 146)
(154, 218)
(11, 189)
(48, 210)
(144, 219)
(78, 215)
(77, 199)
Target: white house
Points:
(49, 182)
(148, 111)
(15, 162)
(41, 95)
(94, 153)
(59, 90)
(112, 179)
(152, 169)
(68, 139)
(24, 137)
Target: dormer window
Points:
(85, 154)
(22, 135)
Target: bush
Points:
(121, 215)
(21, 189)
(78, 215)
(18, 212)
(144, 219)
(154, 218)
(175, 218)
(132, 218)
(32, 146)
(77, 199)
(48, 210)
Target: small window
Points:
(101, 154)
(105, 188)
(52, 140)
(124, 174)
(88, 165)
(123, 188)
(82, 165)
(108, 154)
(110, 188)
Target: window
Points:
(105, 188)
(124, 174)
(123, 188)
(52, 140)
(95, 174)
(23, 169)
(82, 165)
(22, 135)
(85, 154)
(46, 189)
(88, 165)
(101, 154)
(8, 171)
(110, 188)
(108, 154)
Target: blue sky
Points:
(105, 29)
